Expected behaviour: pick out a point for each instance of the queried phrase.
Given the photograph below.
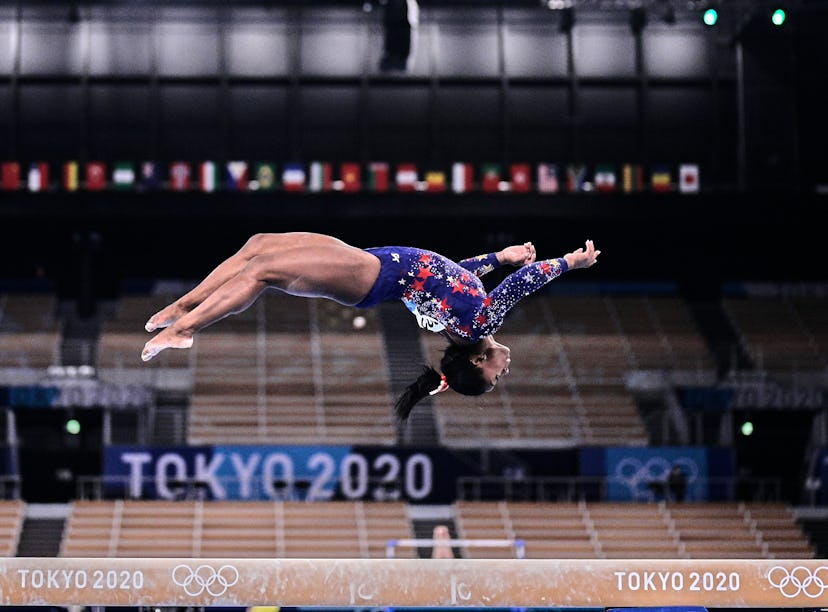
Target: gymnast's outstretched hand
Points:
(517, 255)
(582, 258)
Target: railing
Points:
(597, 488)
(470, 488)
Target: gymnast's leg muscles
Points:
(232, 297)
(226, 270)
(257, 245)
(329, 269)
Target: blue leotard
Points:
(448, 295)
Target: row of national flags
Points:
(323, 176)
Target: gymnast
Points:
(446, 297)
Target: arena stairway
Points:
(79, 344)
(40, 538)
(653, 409)
(405, 359)
(816, 528)
(720, 336)
(42, 530)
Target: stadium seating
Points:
(297, 371)
(30, 330)
(290, 371)
(550, 530)
(636, 530)
(132, 528)
(781, 334)
(11, 522)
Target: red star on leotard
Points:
(457, 287)
(418, 285)
(424, 273)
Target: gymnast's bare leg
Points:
(259, 244)
(306, 265)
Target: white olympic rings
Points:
(799, 580)
(636, 474)
(205, 578)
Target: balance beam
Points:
(576, 583)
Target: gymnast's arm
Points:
(515, 287)
(526, 281)
(517, 255)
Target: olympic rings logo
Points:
(799, 580)
(635, 474)
(205, 578)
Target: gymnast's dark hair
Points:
(461, 375)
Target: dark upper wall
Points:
(214, 81)
(210, 80)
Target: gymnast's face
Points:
(493, 362)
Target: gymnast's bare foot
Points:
(164, 340)
(164, 317)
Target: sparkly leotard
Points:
(448, 295)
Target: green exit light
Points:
(710, 17)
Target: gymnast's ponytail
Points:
(429, 381)
(459, 374)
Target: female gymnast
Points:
(446, 297)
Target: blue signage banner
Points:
(281, 472)
(154, 472)
(277, 472)
(752, 395)
(640, 474)
(426, 475)
(80, 393)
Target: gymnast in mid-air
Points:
(445, 296)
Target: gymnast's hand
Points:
(582, 258)
(518, 255)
